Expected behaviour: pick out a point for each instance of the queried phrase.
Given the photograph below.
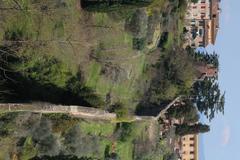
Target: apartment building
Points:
(189, 147)
(202, 19)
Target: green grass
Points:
(94, 75)
(45, 69)
(29, 151)
(7, 145)
(125, 150)
(70, 23)
(56, 26)
(101, 19)
(170, 41)
(103, 143)
(156, 4)
(124, 91)
(100, 128)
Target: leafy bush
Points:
(187, 111)
(175, 73)
(124, 131)
(79, 144)
(185, 129)
(48, 79)
(120, 110)
(29, 151)
(46, 143)
(208, 97)
(60, 122)
(204, 57)
(137, 24)
(139, 43)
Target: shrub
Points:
(139, 43)
(185, 129)
(124, 131)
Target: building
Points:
(202, 19)
(199, 10)
(186, 147)
(206, 71)
(189, 147)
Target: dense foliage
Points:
(29, 71)
(204, 57)
(39, 136)
(185, 129)
(174, 75)
(110, 5)
(208, 98)
(186, 111)
(35, 77)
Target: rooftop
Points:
(214, 16)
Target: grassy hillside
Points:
(95, 43)
(125, 59)
(106, 53)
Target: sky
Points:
(223, 141)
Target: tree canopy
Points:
(187, 111)
(204, 57)
(185, 129)
(110, 5)
(208, 97)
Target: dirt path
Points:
(76, 111)
(162, 113)
(80, 111)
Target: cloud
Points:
(226, 134)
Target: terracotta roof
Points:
(205, 38)
(214, 14)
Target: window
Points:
(192, 152)
(203, 15)
(201, 23)
(192, 138)
(191, 145)
(200, 44)
(200, 32)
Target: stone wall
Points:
(51, 108)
